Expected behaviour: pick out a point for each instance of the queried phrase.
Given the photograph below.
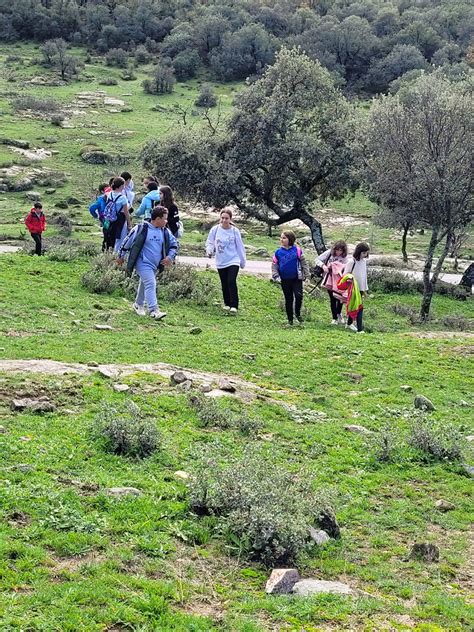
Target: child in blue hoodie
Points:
(96, 209)
(148, 202)
(289, 266)
(159, 249)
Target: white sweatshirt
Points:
(359, 270)
(227, 246)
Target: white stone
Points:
(121, 388)
(357, 429)
(182, 475)
(118, 492)
(307, 587)
(319, 536)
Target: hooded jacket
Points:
(35, 221)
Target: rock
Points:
(225, 385)
(281, 581)
(33, 405)
(178, 377)
(469, 469)
(76, 322)
(444, 505)
(319, 536)
(195, 330)
(307, 587)
(33, 196)
(50, 140)
(261, 252)
(406, 387)
(21, 144)
(354, 377)
(3, 430)
(327, 521)
(50, 191)
(73, 201)
(423, 403)
(250, 357)
(205, 388)
(121, 388)
(464, 404)
(120, 492)
(182, 475)
(62, 204)
(92, 363)
(318, 399)
(106, 372)
(358, 429)
(113, 101)
(425, 552)
(470, 438)
(103, 327)
(185, 386)
(24, 467)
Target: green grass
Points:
(72, 558)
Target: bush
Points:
(62, 252)
(213, 414)
(458, 322)
(206, 97)
(117, 57)
(162, 82)
(104, 277)
(388, 281)
(186, 64)
(435, 440)
(44, 106)
(384, 445)
(142, 56)
(181, 281)
(128, 75)
(108, 81)
(265, 510)
(125, 430)
(63, 222)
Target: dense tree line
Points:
(365, 44)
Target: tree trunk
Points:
(406, 228)
(429, 281)
(467, 279)
(315, 228)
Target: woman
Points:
(332, 261)
(167, 200)
(356, 267)
(225, 242)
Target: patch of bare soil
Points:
(19, 519)
(463, 350)
(75, 563)
(440, 335)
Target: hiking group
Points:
(152, 245)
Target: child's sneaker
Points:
(361, 331)
(157, 315)
(340, 320)
(352, 327)
(226, 308)
(233, 311)
(334, 321)
(140, 309)
(288, 325)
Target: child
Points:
(36, 223)
(354, 279)
(289, 265)
(332, 262)
(97, 208)
(116, 215)
(148, 201)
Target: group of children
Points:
(153, 244)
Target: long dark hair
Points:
(168, 199)
(339, 245)
(359, 249)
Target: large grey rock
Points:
(423, 403)
(120, 492)
(225, 385)
(74, 201)
(281, 581)
(319, 536)
(185, 386)
(121, 388)
(469, 469)
(178, 377)
(444, 505)
(308, 587)
(205, 388)
(33, 196)
(105, 372)
(33, 405)
(424, 552)
(357, 429)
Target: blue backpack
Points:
(110, 211)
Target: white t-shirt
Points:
(359, 270)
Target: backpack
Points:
(110, 211)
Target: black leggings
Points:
(37, 239)
(360, 326)
(336, 306)
(228, 278)
(292, 289)
(110, 235)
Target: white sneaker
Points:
(233, 311)
(352, 327)
(340, 320)
(361, 332)
(333, 322)
(157, 315)
(140, 309)
(226, 308)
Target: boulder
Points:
(319, 536)
(103, 327)
(469, 469)
(423, 403)
(308, 587)
(444, 505)
(50, 191)
(14, 142)
(205, 388)
(195, 330)
(62, 204)
(327, 521)
(225, 385)
(74, 201)
(33, 196)
(357, 429)
(105, 372)
(178, 377)
(121, 388)
(281, 581)
(184, 387)
(120, 492)
(33, 405)
(424, 552)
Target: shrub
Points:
(439, 441)
(458, 322)
(404, 310)
(181, 281)
(389, 281)
(62, 252)
(108, 81)
(206, 97)
(125, 430)
(28, 102)
(57, 119)
(186, 64)
(128, 75)
(104, 277)
(162, 81)
(265, 510)
(209, 413)
(384, 445)
(142, 56)
(117, 57)
(63, 222)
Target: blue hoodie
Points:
(147, 204)
(153, 249)
(96, 209)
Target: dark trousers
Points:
(293, 293)
(37, 240)
(228, 278)
(336, 306)
(110, 235)
(360, 326)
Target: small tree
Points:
(286, 146)
(206, 97)
(55, 54)
(162, 82)
(418, 155)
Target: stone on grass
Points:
(74, 201)
(3, 430)
(464, 404)
(106, 372)
(469, 469)
(250, 356)
(182, 475)
(470, 438)
(195, 330)
(103, 327)
(33, 405)
(281, 581)
(406, 387)
(205, 388)
(327, 521)
(24, 467)
(319, 536)
(50, 191)
(308, 587)
(444, 505)
(423, 403)
(120, 492)
(92, 363)
(178, 377)
(62, 204)
(424, 552)
(121, 388)
(185, 386)
(357, 429)
(225, 385)
(33, 196)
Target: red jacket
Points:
(35, 221)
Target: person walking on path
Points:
(355, 275)
(332, 262)
(115, 214)
(148, 202)
(35, 222)
(167, 200)
(150, 247)
(290, 268)
(225, 242)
